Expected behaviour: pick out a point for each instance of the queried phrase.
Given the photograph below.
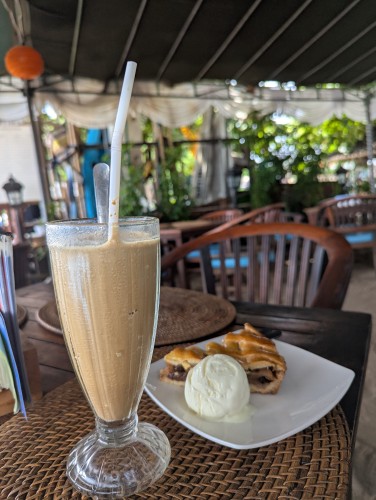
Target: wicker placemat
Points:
(21, 314)
(312, 464)
(184, 315)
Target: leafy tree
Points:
(338, 135)
(290, 151)
(173, 199)
(131, 192)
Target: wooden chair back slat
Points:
(251, 269)
(171, 239)
(237, 270)
(303, 277)
(291, 271)
(318, 258)
(223, 279)
(207, 274)
(282, 263)
(279, 273)
(263, 258)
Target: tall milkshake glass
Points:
(107, 292)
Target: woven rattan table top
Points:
(315, 463)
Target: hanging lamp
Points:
(23, 61)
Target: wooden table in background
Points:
(189, 228)
(54, 362)
(174, 234)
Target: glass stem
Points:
(117, 433)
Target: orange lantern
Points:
(24, 62)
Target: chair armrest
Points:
(371, 228)
(312, 215)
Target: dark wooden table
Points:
(342, 337)
(189, 228)
(54, 362)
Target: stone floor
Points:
(361, 296)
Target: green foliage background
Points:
(173, 197)
(275, 150)
(291, 149)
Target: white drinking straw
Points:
(115, 165)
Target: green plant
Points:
(362, 187)
(50, 208)
(292, 152)
(265, 186)
(173, 200)
(306, 192)
(131, 192)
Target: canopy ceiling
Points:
(173, 41)
(188, 54)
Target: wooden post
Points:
(38, 148)
(369, 139)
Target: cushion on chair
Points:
(230, 262)
(355, 238)
(243, 261)
(277, 237)
(195, 254)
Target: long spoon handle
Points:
(101, 187)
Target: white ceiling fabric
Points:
(182, 104)
(13, 105)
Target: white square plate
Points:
(311, 388)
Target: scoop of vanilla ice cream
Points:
(217, 387)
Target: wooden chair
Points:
(277, 263)
(21, 264)
(223, 218)
(170, 240)
(274, 212)
(354, 216)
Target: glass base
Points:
(114, 462)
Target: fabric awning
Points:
(305, 41)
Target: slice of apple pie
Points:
(178, 363)
(264, 366)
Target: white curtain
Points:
(182, 104)
(13, 104)
(209, 180)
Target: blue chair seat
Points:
(213, 249)
(230, 262)
(359, 238)
(243, 261)
(277, 237)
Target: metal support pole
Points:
(38, 148)
(369, 141)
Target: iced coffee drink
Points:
(107, 292)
